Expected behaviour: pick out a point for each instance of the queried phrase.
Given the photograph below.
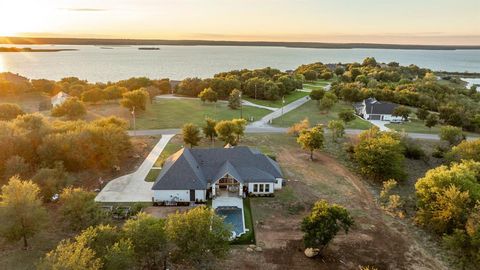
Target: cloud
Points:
(85, 9)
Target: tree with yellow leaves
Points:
(21, 212)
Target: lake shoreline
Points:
(305, 45)
(20, 50)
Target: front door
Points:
(192, 195)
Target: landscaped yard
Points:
(278, 103)
(311, 111)
(174, 113)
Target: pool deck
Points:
(224, 201)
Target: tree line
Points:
(48, 151)
(267, 83)
(410, 86)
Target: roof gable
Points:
(198, 167)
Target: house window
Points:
(267, 188)
(255, 188)
(261, 187)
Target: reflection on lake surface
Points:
(95, 63)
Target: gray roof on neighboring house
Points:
(196, 168)
(373, 106)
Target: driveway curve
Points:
(132, 187)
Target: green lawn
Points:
(414, 126)
(418, 126)
(319, 84)
(174, 113)
(152, 175)
(278, 103)
(311, 111)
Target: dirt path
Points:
(376, 239)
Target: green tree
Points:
(208, 95)
(199, 236)
(402, 111)
(323, 224)
(337, 128)
(347, 115)
(10, 111)
(422, 113)
(149, 239)
(466, 150)
(114, 92)
(328, 101)
(52, 180)
(311, 139)
(310, 75)
(71, 255)
(369, 62)
(78, 208)
(16, 165)
(452, 135)
(226, 131)
(317, 94)
(431, 120)
(380, 155)
(209, 129)
(72, 108)
(239, 131)
(234, 101)
(135, 99)
(120, 255)
(191, 134)
(446, 195)
(93, 95)
(21, 210)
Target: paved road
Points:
(278, 113)
(132, 187)
(248, 103)
(270, 129)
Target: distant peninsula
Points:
(15, 49)
(155, 42)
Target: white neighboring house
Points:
(372, 109)
(195, 175)
(59, 98)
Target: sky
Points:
(443, 22)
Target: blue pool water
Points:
(233, 216)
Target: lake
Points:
(112, 63)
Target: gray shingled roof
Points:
(379, 107)
(195, 168)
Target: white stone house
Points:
(372, 109)
(59, 98)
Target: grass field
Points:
(418, 126)
(278, 103)
(311, 111)
(173, 113)
(316, 84)
(415, 126)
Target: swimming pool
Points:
(233, 216)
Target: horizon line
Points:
(39, 40)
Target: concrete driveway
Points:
(380, 124)
(132, 187)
